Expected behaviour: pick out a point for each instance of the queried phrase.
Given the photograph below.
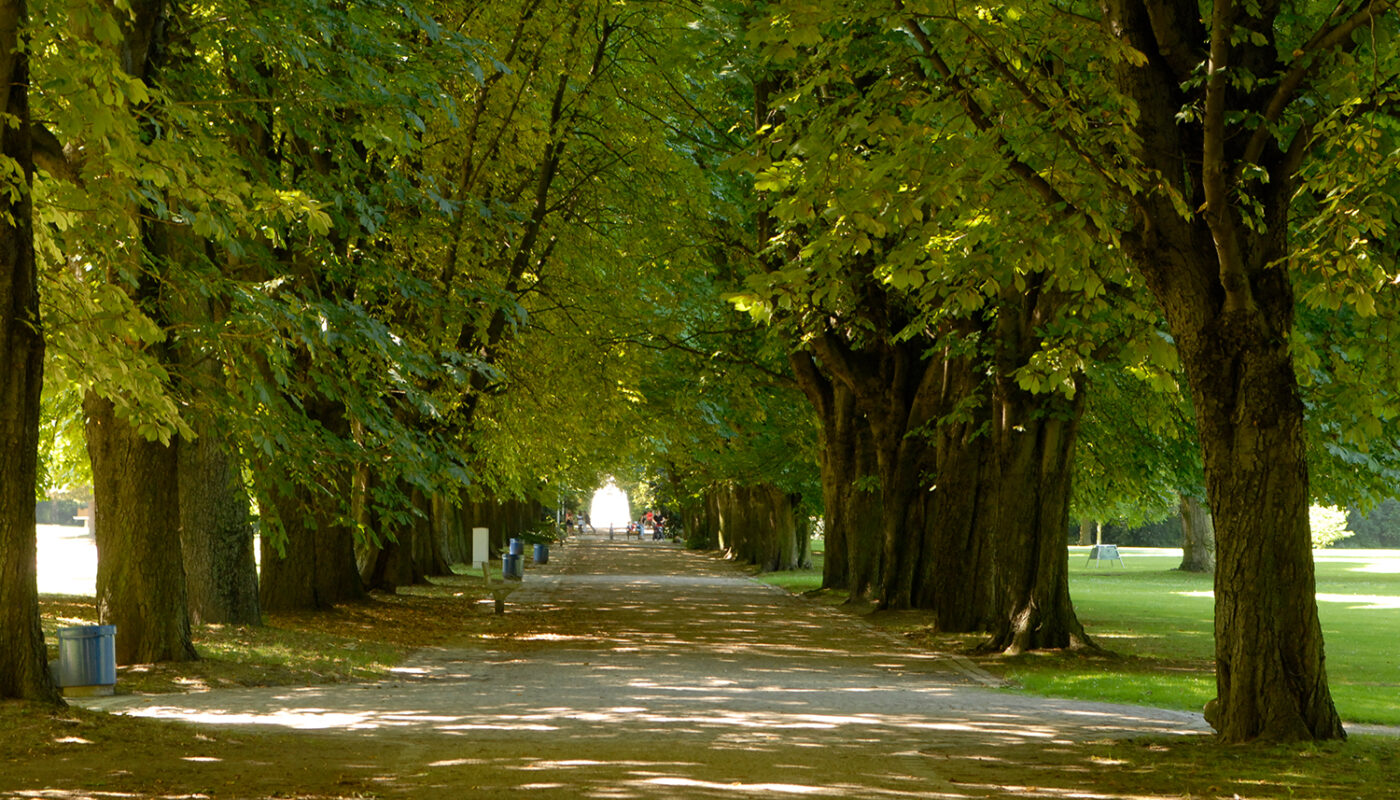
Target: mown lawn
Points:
(1157, 624)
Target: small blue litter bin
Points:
(512, 566)
(541, 554)
(87, 659)
(517, 547)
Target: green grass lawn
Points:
(1157, 624)
(1159, 620)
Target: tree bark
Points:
(1197, 537)
(315, 568)
(1034, 446)
(761, 527)
(428, 547)
(24, 671)
(1224, 285)
(216, 531)
(311, 565)
(959, 579)
(1033, 441)
(136, 522)
(833, 406)
(893, 387)
(1270, 674)
(384, 555)
(851, 510)
(453, 530)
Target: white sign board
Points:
(481, 546)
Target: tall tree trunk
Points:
(1034, 440)
(314, 569)
(406, 552)
(1223, 282)
(835, 409)
(958, 582)
(385, 555)
(726, 518)
(453, 532)
(1234, 345)
(428, 548)
(904, 456)
(864, 507)
(140, 574)
(763, 528)
(1033, 443)
(803, 533)
(311, 566)
(894, 388)
(136, 522)
(1270, 674)
(24, 671)
(216, 531)
(789, 550)
(1197, 537)
(1086, 532)
(714, 518)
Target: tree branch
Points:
(983, 122)
(1218, 214)
(51, 156)
(1326, 38)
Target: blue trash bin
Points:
(517, 547)
(87, 659)
(512, 566)
(541, 554)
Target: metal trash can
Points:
(541, 554)
(513, 566)
(517, 547)
(87, 660)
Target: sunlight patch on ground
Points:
(1363, 601)
(1073, 794)
(750, 788)
(1387, 567)
(1380, 562)
(1377, 602)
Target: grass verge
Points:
(1157, 624)
(356, 642)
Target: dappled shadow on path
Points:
(648, 671)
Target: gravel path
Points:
(662, 673)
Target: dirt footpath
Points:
(654, 672)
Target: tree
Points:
(140, 574)
(945, 310)
(1191, 160)
(1197, 537)
(24, 669)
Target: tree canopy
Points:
(947, 275)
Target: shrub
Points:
(1329, 525)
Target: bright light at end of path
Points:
(610, 507)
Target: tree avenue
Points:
(1180, 142)
(416, 266)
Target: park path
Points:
(656, 672)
